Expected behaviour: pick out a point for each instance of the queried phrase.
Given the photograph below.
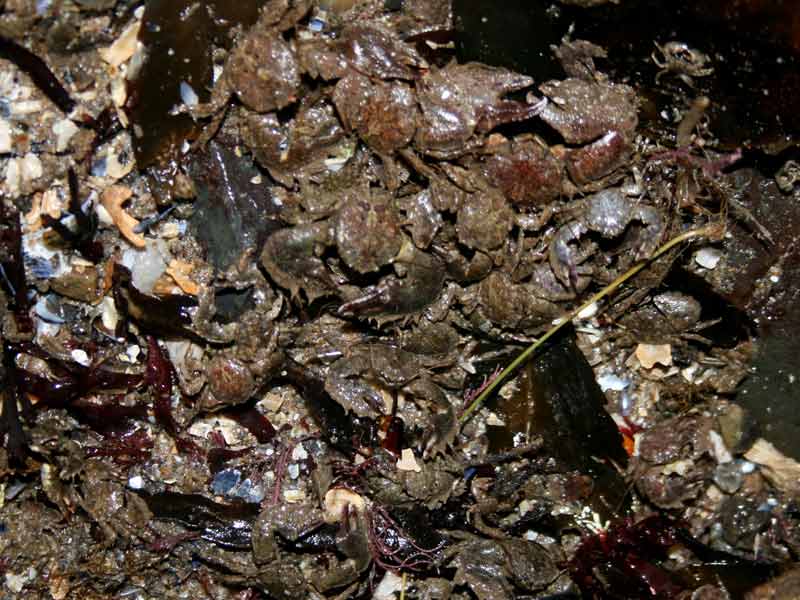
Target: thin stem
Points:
(708, 231)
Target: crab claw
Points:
(421, 285)
(508, 111)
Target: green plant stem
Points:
(569, 317)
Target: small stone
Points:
(109, 315)
(721, 452)
(249, 492)
(17, 582)
(119, 91)
(230, 381)
(729, 476)
(294, 496)
(77, 284)
(272, 402)
(737, 427)
(22, 171)
(494, 421)
(783, 472)
(588, 312)
(293, 470)
(136, 482)
(188, 95)
(225, 481)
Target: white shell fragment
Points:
(136, 482)
(721, 452)
(337, 499)
(109, 315)
(588, 312)
(650, 355)
(408, 461)
(782, 471)
(188, 95)
(610, 381)
(299, 453)
(123, 47)
(5, 137)
(64, 130)
(80, 357)
(389, 587)
(21, 171)
(708, 258)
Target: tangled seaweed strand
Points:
(393, 549)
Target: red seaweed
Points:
(159, 378)
(626, 553)
(406, 545)
(72, 381)
(131, 447)
(393, 428)
(254, 422)
(107, 417)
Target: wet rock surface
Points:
(259, 262)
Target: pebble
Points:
(729, 476)
(136, 482)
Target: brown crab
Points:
(609, 214)
(599, 115)
(681, 60)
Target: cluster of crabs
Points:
(406, 213)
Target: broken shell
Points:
(179, 271)
(650, 355)
(64, 131)
(112, 200)
(123, 47)
(337, 500)
(408, 461)
(708, 258)
(109, 315)
(781, 470)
